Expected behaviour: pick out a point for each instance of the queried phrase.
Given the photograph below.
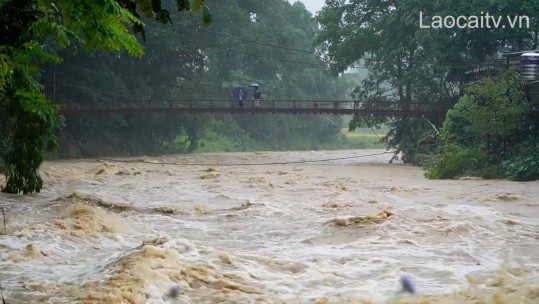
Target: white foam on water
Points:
(300, 232)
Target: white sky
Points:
(312, 5)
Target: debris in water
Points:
(4, 221)
(2, 294)
(407, 284)
(174, 292)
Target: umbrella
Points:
(236, 93)
(254, 85)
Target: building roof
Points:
(518, 54)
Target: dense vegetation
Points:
(32, 32)
(409, 64)
(489, 133)
(191, 62)
(86, 51)
(180, 61)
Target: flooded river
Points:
(306, 227)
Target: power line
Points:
(283, 60)
(228, 49)
(199, 29)
(261, 43)
(119, 95)
(212, 46)
(234, 164)
(74, 85)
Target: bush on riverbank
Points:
(489, 134)
(525, 165)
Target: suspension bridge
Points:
(337, 107)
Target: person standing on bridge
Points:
(241, 96)
(257, 97)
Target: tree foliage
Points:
(493, 107)
(408, 64)
(477, 132)
(32, 31)
(193, 64)
(524, 165)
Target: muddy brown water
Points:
(298, 230)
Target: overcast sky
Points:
(311, 5)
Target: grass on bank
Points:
(212, 141)
(359, 139)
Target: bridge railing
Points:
(131, 104)
(346, 107)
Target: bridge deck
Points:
(342, 107)
(266, 106)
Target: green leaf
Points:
(206, 16)
(195, 6)
(145, 7)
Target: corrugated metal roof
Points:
(515, 54)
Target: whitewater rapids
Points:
(307, 227)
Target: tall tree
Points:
(33, 30)
(407, 63)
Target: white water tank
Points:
(529, 68)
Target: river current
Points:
(267, 227)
